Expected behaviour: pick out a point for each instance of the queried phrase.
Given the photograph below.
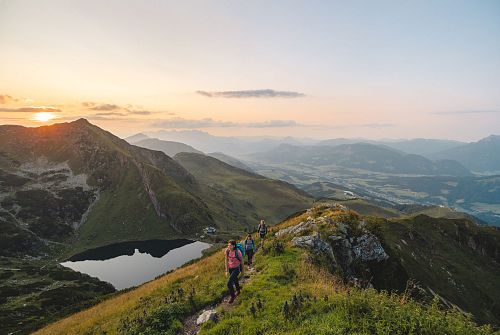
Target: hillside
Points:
(480, 156)
(77, 181)
(170, 148)
(360, 156)
(230, 160)
(247, 197)
(327, 285)
(71, 187)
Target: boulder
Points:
(304, 225)
(316, 244)
(208, 315)
(369, 248)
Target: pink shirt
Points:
(232, 260)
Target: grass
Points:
(246, 197)
(318, 303)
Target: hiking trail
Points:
(190, 326)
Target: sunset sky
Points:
(322, 69)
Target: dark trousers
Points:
(233, 280)
(250, 256)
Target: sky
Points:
(320, 69)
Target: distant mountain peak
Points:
(81, 121)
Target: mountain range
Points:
(363, 156)
(75, 181)
(480, 156)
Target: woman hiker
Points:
(234, 259)
(249, 249)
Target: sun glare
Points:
(43, 116)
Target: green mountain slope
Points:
(246, 196)
(70, 187)
(299, 288)
(132, 193)
(230, 160)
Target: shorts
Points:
(262, 235)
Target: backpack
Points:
(251, 243)
(239, 246)
(263, 229)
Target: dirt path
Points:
(189, 324)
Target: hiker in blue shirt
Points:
(249, 249)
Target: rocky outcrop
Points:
(349, 242)
(316, 244)
(293, 230)
(368, 248)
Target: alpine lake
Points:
(129, 264)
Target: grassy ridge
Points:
(322, 305)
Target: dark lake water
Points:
(130, 264)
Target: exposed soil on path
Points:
(189, 324)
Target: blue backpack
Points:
(239, 246)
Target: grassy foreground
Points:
(290, 292)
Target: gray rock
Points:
(295, 229)
(335, 238)
(208, 315)
(342, 228)
(369, 248)
(316, 244)
(346, 253)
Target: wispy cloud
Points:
(262, 93)
(377, 125)
(181, 123)
(31, 109)
(133, 112)
(5, 98)
(466, 112)
(105, 107)
(114, 110)
(109, 114)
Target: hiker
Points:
(234, 266)
(262, 228)
(249, 248)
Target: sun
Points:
(43, 116)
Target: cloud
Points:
(132, 112)
(377, 125)
(181, 123)
(274, 124)
(4, 98)
(105, 107)
(125, 111)
(31, 109)
(263, 93)
(466, 112)
(109, 114)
